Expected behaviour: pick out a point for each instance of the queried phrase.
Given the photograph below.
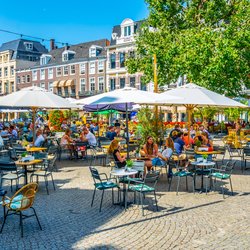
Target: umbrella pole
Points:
(33, 122)
(189, 113)
(127, 137)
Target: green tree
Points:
(206, 40)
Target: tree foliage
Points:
(206, 40)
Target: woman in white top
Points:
(167, 152)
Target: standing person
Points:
(87, 136)
(151, 151)
(115, 150)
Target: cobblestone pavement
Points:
(186, 221)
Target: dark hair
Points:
(149, 147)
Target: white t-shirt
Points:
(39, 140)
(167, 153)
(91, 139)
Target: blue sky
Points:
(72, 21)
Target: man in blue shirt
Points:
(111, 134)
(179, 144)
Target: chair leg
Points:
(113, 196)
(21, 222)
(101, 201)
(231, 186)
(53, 181)
(193, 185)
(156, 201)
(222, 189)
(93, 197)
(178, 184)
(169, 187)
(142, 204)
(46, 184)
(186, 183)
(4, 220)
(37, 218)
(11, 185)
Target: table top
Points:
(143, 158)
(35, 149)
(208, 163)
(22, 163)
(208, 152)
(122, 172)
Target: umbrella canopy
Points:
(192, 94)
(106, 112)
(35, 97)
(122, 96)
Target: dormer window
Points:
(127, 31)
(28, 45)
(44, 59)
(68, 55)
(95, 51)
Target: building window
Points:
(6, 72)
(29, 46)
(1, 90)
(112, 61)
(73, 90)
(0, 72)
(18, 80)
(58, 71)
(101, 66)
(112, 84)
(72, 69)
(82, 85)
(28, 78)
(92, 68)
(42, 77)
(50, 86)
(101, 83)
(50, 73)
(12, 70)
(66, 91)
(12, 87)
(82, 68)
(122, 60)
(127, 31)
(92, 52)
(65, 70)
(45, 59)
(59, 91)
(68, 55)
(23, 79)
(34, 75)
(92, 83)
(6, 88)
(122, 83)
(132, 82)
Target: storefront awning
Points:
(61, 84)
(70, 82)
(55, 84)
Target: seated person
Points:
(111, 134)
(87, 136)
(179, 146)
(115, 150)
(39, 138)
(185, 139)
(67, 142)
(174, 132)
(13, 132)
(167, 152)
(151, 150)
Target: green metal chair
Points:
(223, 174)
(143, 187)
(103, 184)
(180, 173)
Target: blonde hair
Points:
(113, 145)
(170, 143)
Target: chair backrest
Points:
(139, 165)
(95, 174)
(151, 178)
(7, 166)
(51, 163)
(173, 164)
(246, 151)
(228, 167)
(24, 197)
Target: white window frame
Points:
(1, 72)
(57, 68)
(23, 79)
(12, 72)
(101, 66)
(64, 67)
(82, 67)
(82, 83)
(50, 86)
(92, 83)
(127, 31)
(5, 73)
(92, 68)
(42, 74)
(28, 78)
(28, 45)
(34, 75)
(42, 85)
(72, 72)
(101, 82)
(50, 73)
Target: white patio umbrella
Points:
(35, 98)
(192, 96)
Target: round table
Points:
(203, 164)
(121, 172)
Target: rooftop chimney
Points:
(52, 44)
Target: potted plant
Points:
(205, 156)
(129, 164)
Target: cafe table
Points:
(25, 164)
(35, 149)
(202, 165)
(208, 152)
(122, 173)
